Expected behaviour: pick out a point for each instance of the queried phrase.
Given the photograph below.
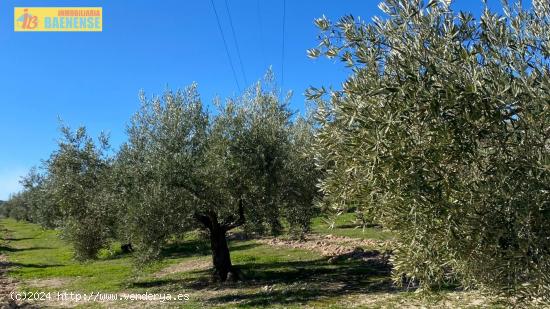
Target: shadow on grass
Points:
(242, 246)
(163, 283)
(198, 247)
(27, 265)
(316, 279)
(10, 249)
(352, 274)
(358, 226)
(186, 248)
(296, 282)
(17, 239)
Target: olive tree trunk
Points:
(221, 258)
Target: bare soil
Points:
(7, 284)
(328, 245)
(186, 266)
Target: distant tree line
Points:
(441, 133)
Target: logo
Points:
(58, 19)
(27, 21)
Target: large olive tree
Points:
(239, 166)
(441, 133)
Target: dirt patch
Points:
(7, 284)
(327, 245)
(185, 266)
(52, 283)
(109, 300)
(462, 299)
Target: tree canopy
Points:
(247, 164)
(240, 166)
(441, 133)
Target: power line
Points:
(283, 49)
(259, 12)
(236, 42)
(225, 45)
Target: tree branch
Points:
(240, 220)
(205, 220)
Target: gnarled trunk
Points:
(220, 254)
(221, 258)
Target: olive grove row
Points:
(440, 134)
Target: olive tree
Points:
(441, 133)
(158, 166)
(37, 192)
(123, 187)
(300, 189)
(190, 168)
(78, 172)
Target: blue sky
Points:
(93, 79)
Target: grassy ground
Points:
(346, 225)
(275, 277)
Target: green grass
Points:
(274, 277)
(39, 254)
(345, 225)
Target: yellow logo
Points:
(58, 19)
